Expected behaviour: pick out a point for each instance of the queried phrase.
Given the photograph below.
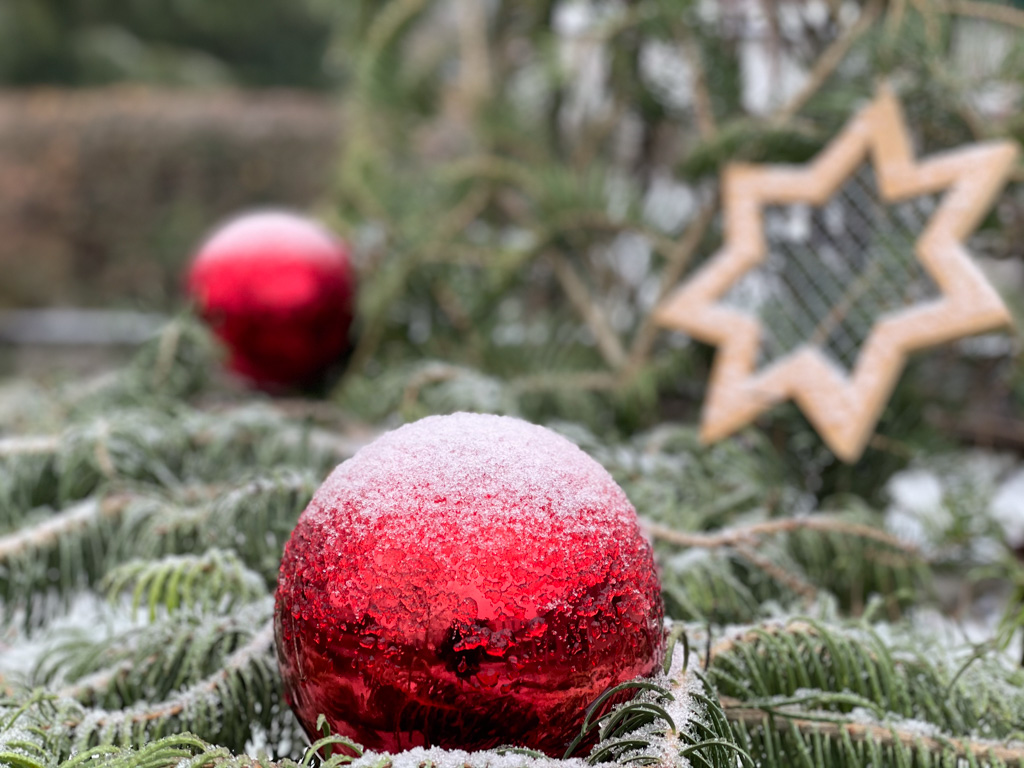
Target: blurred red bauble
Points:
(465, 581)
(278, 290)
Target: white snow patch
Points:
(88, 612)
(1007, 509)
(457, 758)
(669, 205)
(668, 73)
(917, 511)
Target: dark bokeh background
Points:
(129, 127)
(190, 42)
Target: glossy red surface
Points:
(278, 290)
(465, 581)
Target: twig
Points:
(776, 571)
(168, 347)
(432, 374)
(342, 445)
(894, 19)
(841, 309)
(475, 79)
(98, 681)
(702, 108)
(678, 258)
(203, 494)
(63, 523)
(931, 25)
(891, 446)
(887, 735)
(490, 167)
(456, 220)
(991, 431)
(591, 381)
(997, 12)
(608, 342)
(602, 222)
(387, 23)
(452, 308)
(27, 446)
(95, 509)
(749, 534)
(727, 644)
(101, 450)
(829, 60)
(260, 643)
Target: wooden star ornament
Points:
(843, 407)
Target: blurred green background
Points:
(268, 43)
(182, 112)
(521, 180)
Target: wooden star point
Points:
(844, 408)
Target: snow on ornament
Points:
(278, 290)
(464, 582)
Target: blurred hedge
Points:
(268, 43)
(103, 193)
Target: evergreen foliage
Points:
(525, 183)
(71, 42)
(138, 563)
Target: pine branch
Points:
(215, 580)
(802, 556)
(95, 685)
(771, 663)
(706, 122)
(829, 61)
(252, 517)
(608, 342)
(292, 434)
(778, 572)
(179, 751)
(908, 738)
(22, 446)
(30, 731)
(147, 662)
(995, 12)
(589, 381)
(245, 686)
(157, 448)
(31, 540)
(678, 258)
(750, 534)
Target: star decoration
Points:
(844, 408)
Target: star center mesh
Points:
(831, 272)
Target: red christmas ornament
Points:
(465, 581)
(278, 289)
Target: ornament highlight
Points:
(465, 581)
(278, 290)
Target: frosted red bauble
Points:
(465, 581)
(278, 290)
